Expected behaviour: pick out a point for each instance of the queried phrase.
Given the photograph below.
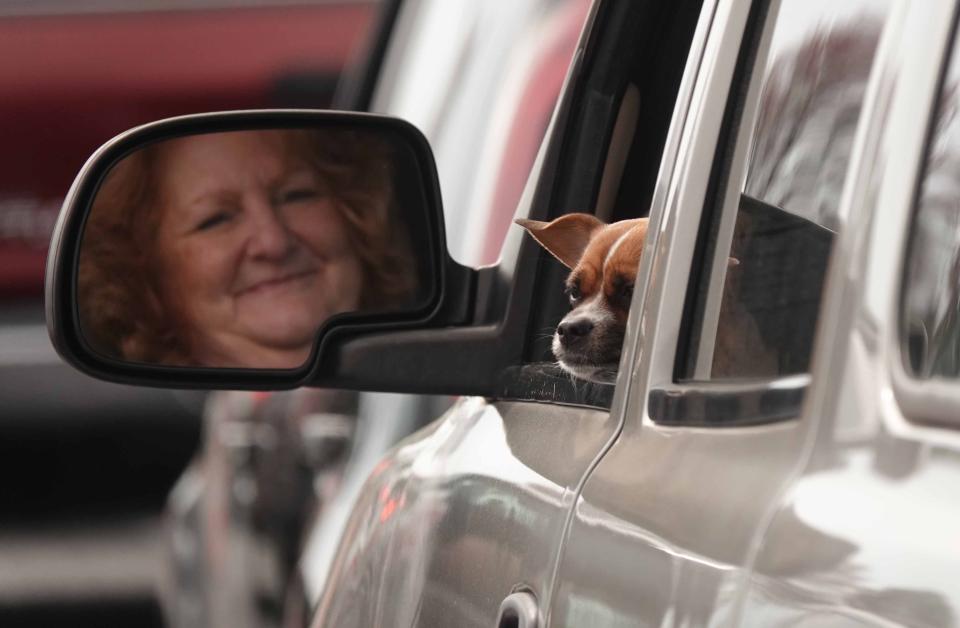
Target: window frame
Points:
(722, 403)
(729, 172)
(732, 402)
(600, 107)
(684, 183)
(933, 402)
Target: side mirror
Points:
(236, 250)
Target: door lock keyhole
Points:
(518, 610)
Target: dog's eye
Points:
(623, 294)
(573, 293)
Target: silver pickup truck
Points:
(811, 141)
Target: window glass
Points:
(772, 216)
(930, 316)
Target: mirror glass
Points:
(232, 249)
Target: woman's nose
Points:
(269, 235)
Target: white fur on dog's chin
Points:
(596, 373)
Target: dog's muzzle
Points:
(587, 343)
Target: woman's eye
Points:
(297, 195)
(212, 221)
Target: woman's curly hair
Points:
(122, 313)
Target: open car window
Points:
(613, 144)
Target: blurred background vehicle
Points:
(87, 466)
(481, 80)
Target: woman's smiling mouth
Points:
(282, 281)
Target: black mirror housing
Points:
(444, 293)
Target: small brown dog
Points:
(603, 260)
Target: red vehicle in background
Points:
(87, 465)
(73, 78)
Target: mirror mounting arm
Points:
(461, 287)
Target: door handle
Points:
(519, 610)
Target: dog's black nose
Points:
(572, 331)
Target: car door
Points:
(878, 490)
(531, 42)
(743, 225)
(472, 509)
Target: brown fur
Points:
(603, 260)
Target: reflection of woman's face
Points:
(253, 254)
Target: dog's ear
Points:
(566, 237)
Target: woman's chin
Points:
(286, 320)
(275, 332)
(287, 359)
(261, 354)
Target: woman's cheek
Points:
(351, 284)
(319, 226)
(212, 264)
